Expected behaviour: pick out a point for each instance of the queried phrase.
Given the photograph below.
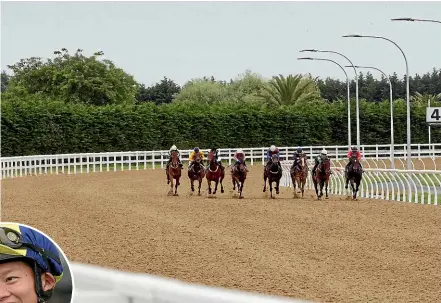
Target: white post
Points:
(430, 137)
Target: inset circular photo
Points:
(33, 268)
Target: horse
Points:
(321, 176)
(238, 176)
(214, 173)
(273, 173)
(354, 174)
(196, 172)
(299, 174)
(174, 172)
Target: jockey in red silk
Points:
(216, 157)
(273, 150)
(354, 151)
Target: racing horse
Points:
(299, 174)
(354, 174)
(196, 172)
(321, 176)
(174, 173)
(214, 173)
(238, 176)
(273, 173)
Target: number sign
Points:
(433, 114)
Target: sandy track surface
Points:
(326, 251)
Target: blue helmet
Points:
(18, 242)
(299, 149)
(196, 149)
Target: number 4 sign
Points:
(433, 115)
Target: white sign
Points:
(433, 114)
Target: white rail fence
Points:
(97, 284)
(134, 160)
(417, 186)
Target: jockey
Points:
(240, 155)
(298, 154)
(273, 150)
(216, 156)
(319, 159)
(354, 151)
(193, 156)
(30, 264)
(172, 149)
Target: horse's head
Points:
(355, 163)
(302, 161)
(174, 155)
(210, 156)
(275, 158)
(326, 166)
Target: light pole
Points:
(349, 97)
(413, 19)
(419, 20)
(357, 108)
(392, 147)
(409, 153)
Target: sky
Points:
(185, 40)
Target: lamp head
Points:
(403, 19)
(305, 58)
(308, 50)
(352, 36)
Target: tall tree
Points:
(73, 78)
(291, 90)
(163, 92)
(5, 81)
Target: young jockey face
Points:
(17, 283)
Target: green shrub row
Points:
(32, 127)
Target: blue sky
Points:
(184, 40)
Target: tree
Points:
(418, 98)
(291, 90)
(162, 92)
(73, 78)
(5, 81)
(202, 91)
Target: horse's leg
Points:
(277, 188)
(241, 189)
(264, 181)
(347, 181)
(293, 179)
(192, 184)
(303, 186)
(353, 189)
(200, 184)
(322, 183)
(326, 188)
(222, 187)
(271, 187)
(357, 184)
(356, 190)
(209, 186)
(234, 182)
(315, 187)
(171, 184)
(176, 186)
(215, 187)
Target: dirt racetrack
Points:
(326, 251)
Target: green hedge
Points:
(31, 127)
